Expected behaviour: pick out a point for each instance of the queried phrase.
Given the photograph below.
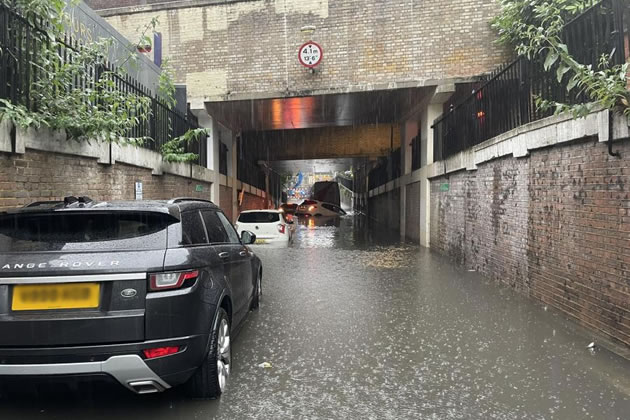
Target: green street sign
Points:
(199, 188)
(444, 187)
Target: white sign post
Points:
(138, 190)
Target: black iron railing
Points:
(387, 169)
(21, 43)
(507, 99)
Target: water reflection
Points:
(360, 326)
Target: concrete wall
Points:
(412, 212)
(385, 209)
(87, 26)
(226, 49)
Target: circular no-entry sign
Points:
(310, 54)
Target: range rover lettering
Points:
(145, 293)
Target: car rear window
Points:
(89, 230)
(259, 217)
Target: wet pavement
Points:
(359, 326)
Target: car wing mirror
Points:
(248, 237)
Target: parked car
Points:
(145, 293)
(270, 226)
(318, 208)
(289, 208)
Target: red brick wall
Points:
(555, 226)
(225, 198)
(252, 202)
(37, 176)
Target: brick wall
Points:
(36, 176)
(110, 4)
(244, 47)
(252, 202)
(555, 226)
(225, 198)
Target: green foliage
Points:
(533, 28)
(19, 115)
(97, 110)
(174, 149)
(101, 111)
(166, 83)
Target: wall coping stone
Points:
(518, 142)
(47, 140)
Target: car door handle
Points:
(224, 254)
(243, 253)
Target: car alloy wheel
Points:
(224, 355)
(257, 292)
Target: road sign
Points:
(310, 54)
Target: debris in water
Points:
(591, 346)
(265, 365)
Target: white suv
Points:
(270, 226)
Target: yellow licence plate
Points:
(55, 296)
(261, 241)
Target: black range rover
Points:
(144, 292)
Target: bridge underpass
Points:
(358, 130)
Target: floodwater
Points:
(359, 326)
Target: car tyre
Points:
(211, 378)
(257, 292)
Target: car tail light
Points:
(174, 280)
(281, 228)
(160, 351)
(312, 208)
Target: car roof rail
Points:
(51, 203)
(184, 199)
(72, 201)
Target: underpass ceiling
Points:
(371, 107)
(314, 166)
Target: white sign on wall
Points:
(138, 190)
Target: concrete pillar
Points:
(428, 115)
(214, 150)
(206, 121)
(409, 130)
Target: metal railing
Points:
(387, 169)
(22, 41)
(507, 99)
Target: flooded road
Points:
(359, 326)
